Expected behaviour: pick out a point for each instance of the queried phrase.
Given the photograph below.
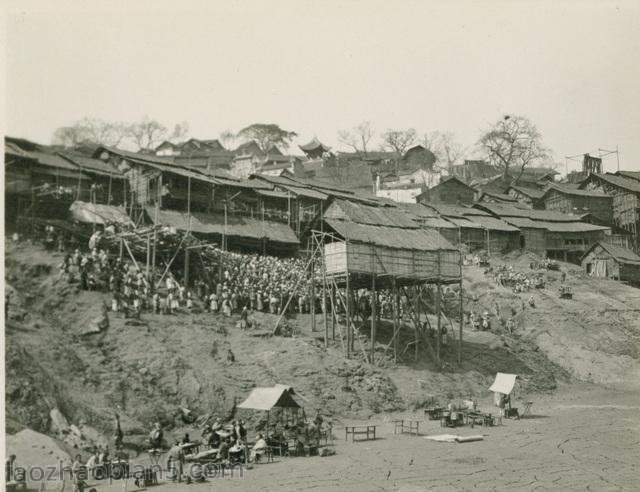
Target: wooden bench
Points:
(360, 430)
(406, 426)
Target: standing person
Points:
(244, 316)
(9, 468)
(156, 436)
(175, 459)
(155, 303)
(189, 301)
(259, 303)
(226, 308)
(119, 435)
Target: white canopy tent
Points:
(504, 383)
(267, 399)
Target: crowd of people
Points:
(519, 282)
(227, 443)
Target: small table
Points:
(408, 426)
(190, 449)
(154, 455)
(360, 430)
(433, 413)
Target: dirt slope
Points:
(147, 372)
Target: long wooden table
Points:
(360, 430)
(406, 426)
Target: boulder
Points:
(59, 423)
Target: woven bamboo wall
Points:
(534, 240)
(372, 259)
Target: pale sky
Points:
(316, 67)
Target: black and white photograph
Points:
(328, 245)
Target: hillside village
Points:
(332, 246)
(472, 204)
(465, 280)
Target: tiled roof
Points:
(629, 184)
(363, 214)
(621, 254)
(91, 165)
(235, 225)
(576, 192)
(530, 192)
(416, 239)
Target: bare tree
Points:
(399, 141)
(444, 146)
(267, 135)
(92, 130)
(357, 138)
(180, 131)
(227, 138)
(147, 134)
(513, 142)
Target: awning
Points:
(504, 383)
(268, 398)
(493, 224)
(464, 223)
(215, 224)
(273, 194)
(98, 214)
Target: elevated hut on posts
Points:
(381, 247)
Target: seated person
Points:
(259, 448)
(223, 451)
(213, 440)
(236, 452)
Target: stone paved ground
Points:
(581, 438)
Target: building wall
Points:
(449, 192)
(367, 258)
(600, 207)
(599, 254)
(524, 199)
(400, 195)
(242, 168)
(625, 208)
(534, 240)
(474, 238)
(572, 241)
(503, 241)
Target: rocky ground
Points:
(582, 437)
(67, 383)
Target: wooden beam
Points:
(396, 318)
(438, 312)
(461, 321)
(374, 296)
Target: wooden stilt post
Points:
(396, 318)
(374, 302)
(312, 294)
(148, 254)
(347, 308)
(324, 298)
(155, 226)
(186, 250)
(438, 312)
(461, 320)
(109, 189)
(417, 309)
(332, 293)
